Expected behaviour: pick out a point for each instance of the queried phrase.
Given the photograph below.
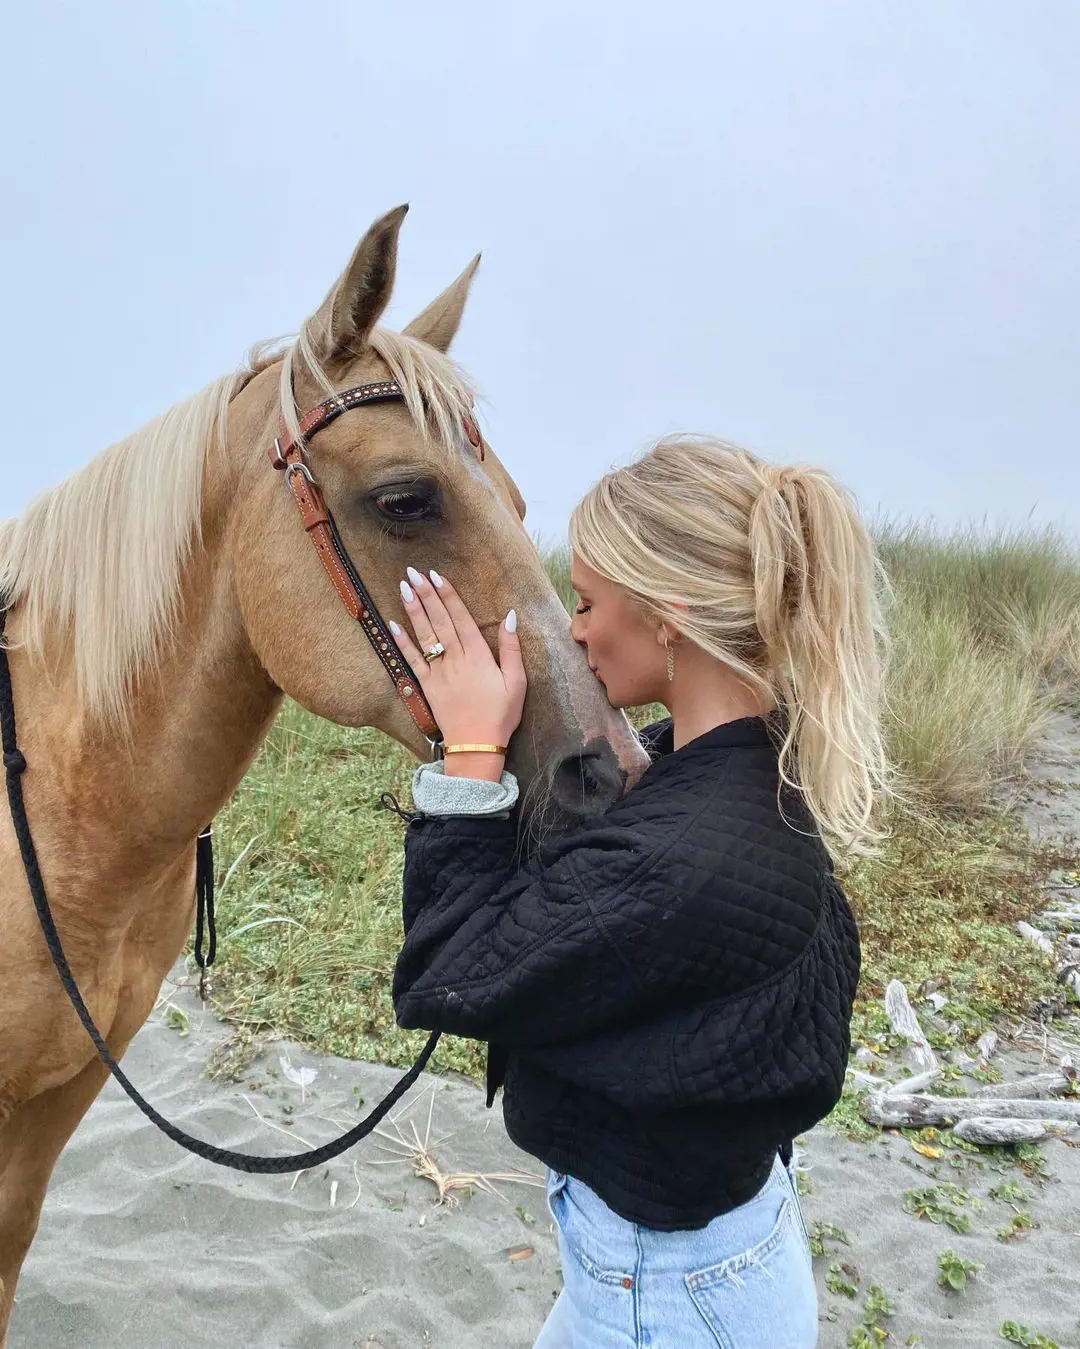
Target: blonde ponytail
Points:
(815, 608)
(771, 571)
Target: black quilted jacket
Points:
(666, 992)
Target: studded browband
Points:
(287, 454)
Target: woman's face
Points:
(625, 648)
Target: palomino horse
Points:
(163, 600)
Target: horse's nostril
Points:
(586, 783)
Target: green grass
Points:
(986, 638)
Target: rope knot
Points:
(388, 801)
(15, 761)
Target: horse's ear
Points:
(439, 322)
(357, 300)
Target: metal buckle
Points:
(298, 466)
(436, 746)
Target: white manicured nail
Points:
(395, 629)
(511, 621)
(436, 579)
(414, 576)
(406, 592)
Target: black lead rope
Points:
(204, 906)
(15, 766)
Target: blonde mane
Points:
(96, 564)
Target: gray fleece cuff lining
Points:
(436, 794)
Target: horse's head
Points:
(406, 485)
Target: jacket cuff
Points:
(436, 794)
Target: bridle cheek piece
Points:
(287, 455)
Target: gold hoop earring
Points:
(670, 659)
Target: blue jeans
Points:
(743, 1282)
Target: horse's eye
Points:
(404, 505)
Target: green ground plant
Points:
(954, 1271)
(842, 1279)
(877, 1308)
(822, 1232)
(1030, 1339)
(1020, 1224)
(945, 1203)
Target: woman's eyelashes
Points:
(582, 609)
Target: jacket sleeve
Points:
(492, 949)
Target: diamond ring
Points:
(434, 652)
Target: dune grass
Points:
(986, 639)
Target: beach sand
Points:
(143, 1246)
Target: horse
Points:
(163, 600)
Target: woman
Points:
(666, 991)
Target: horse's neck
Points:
(200, 721)
(107, 806)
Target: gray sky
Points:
(843, 231)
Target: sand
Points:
(142, 1246)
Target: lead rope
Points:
(15, 767)
(204, 906)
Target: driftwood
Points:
(908, 1086)
(916, 1112)
(1034, 1088)
(1037, 938)
(904, 1022)
(987, 1044)
(996, 1131)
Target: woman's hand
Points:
(473, 698)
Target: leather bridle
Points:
(287, 454)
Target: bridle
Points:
(287, 454)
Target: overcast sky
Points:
(844, 232)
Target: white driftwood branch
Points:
(904, 1112)
(987, 1043)
(908, 1086)
(904, 1022)
(1037, 938)
(991, 1131)
(1034, 1088)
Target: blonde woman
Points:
(666, 991)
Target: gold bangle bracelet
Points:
(474, 749)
